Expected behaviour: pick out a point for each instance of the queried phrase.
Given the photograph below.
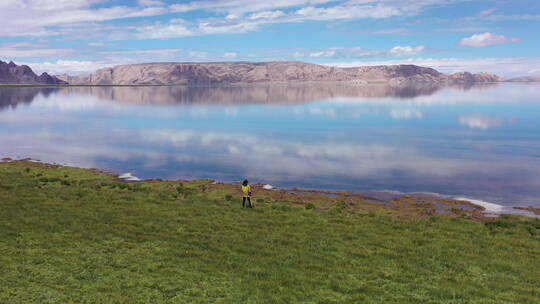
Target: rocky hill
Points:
(10, 73)
(212, 73)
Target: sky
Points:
(81, 36)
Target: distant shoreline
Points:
(248, 84)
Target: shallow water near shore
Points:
(480, 142)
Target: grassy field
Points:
(70, 235)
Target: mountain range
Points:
(212, 73)
(10, 73)
(226, 73)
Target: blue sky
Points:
(79, 36)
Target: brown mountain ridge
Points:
(10, 73)
(215, 73)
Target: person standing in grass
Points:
(246, 191)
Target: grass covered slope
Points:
(70, 235)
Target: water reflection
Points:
(278, 94)
(482, 142)
(233, 95)
(483, 122)
(10, 97)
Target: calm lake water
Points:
(481, 142)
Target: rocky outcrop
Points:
(10, 73)
(215, 73)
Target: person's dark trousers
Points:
(244, 202)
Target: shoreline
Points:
(407, 205)
(488, 209)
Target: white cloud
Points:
(26, 50)
(506, 66)
(198, 54)
(407, 50)
(266, 15)
(50, 4)
(230, 55)
(327, 53)
(150, 3)
(97, 44)
(346, 12)
(358, 52)
(175, 28)
(138, 56)
(239, 7)
(78, 18)
(182, 28)
(214, 27)
(486, 39)
(72, 67)
(44, 17)
(263, 12)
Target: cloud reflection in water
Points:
(339, 137)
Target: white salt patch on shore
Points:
(489, 207)
(129, 177)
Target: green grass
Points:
(69, 235)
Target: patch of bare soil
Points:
(530, 208)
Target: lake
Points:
(480, 142)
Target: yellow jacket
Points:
(246, 190)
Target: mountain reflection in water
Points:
(10, 97)
(477, 141)
(277, 93)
